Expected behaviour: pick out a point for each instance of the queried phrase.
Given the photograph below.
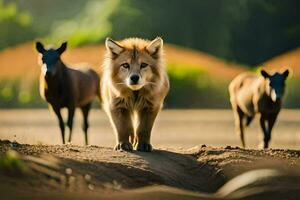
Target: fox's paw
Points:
(143, 146)
(124, 146)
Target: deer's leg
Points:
(249, 120)
(271, 122)
(71, 111)
(85, 112)
(239, 126)
(61, 123)
(122, 123)
(266, 136)
(146, 118)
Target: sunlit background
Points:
(212, 41)
(207, 43)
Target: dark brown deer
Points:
(64, 87)
(251, 94)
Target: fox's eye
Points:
(125, 65)
(143, 65)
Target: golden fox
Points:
(133, 87)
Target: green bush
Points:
(13, 94)
(292, 96)
(192, 87)
(12, 164)
(15, 26)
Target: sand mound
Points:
(76, 172)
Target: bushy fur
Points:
(132, 109)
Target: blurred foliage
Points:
(15, 26)
(292, 97)
(11, 164)
(243, 31)
(46, 13)
(263, 29)
(13, 94)
(89, 26)
(191, 87)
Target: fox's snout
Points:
(134, 79)
(135, 82)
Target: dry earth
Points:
(173, 129)
(181, 167)
(93, 172)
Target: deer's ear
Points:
(113, 46)
(62, 48)
(155, 46)
(286, 73)
(264, 74)
(39, 47)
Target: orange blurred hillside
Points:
(290, 59)
(21, 61)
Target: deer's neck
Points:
(59, 78)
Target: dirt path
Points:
(181, 167)
(77, 172)
(173, 129)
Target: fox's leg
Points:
(146, 119)
(122, 123)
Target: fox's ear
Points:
(264, 74)
(286, 73)
(39, 47)
(62, 48)
(155, 46)
(113, 46)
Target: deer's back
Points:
(85, 85)
(242, 90)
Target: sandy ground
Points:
(179, 168)
(93, 172)
(173, 129)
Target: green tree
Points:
(15, 26)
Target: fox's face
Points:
(134, 62)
